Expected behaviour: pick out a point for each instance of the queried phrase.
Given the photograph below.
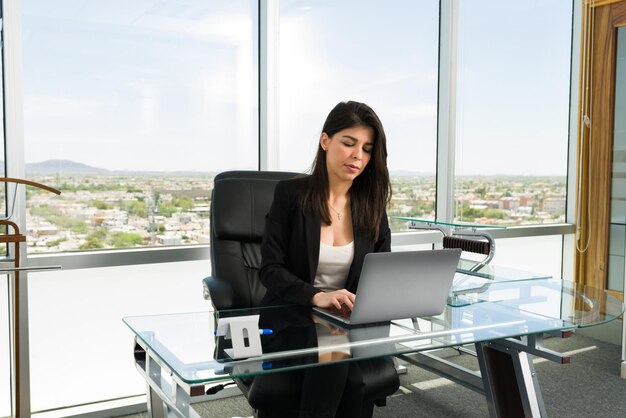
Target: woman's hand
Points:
(334, 299)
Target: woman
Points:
(341, 204)
(318, 231)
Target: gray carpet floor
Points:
(590, 386)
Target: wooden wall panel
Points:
(593, 264)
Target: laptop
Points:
(397, 285)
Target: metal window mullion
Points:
(116, 258)
(569, 245)
(446, 109)
(14, 155)
(268, 84)
(575, 77)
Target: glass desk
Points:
(416, 222)
(179, 355)
(499, 273)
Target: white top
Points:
(333, 266)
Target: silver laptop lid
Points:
(405, 284)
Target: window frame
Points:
(268, 78)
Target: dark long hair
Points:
(371, 190)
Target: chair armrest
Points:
(218, 291)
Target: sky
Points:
(169, 85)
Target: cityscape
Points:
(103, 210)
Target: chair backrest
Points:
(240, 200)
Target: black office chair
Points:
(240, 201)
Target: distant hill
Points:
(62, 166)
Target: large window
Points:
(383, 54)
(129, 109)
(80, 350)
(512, 109)
(539, 255)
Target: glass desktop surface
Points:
(468, 287)
(499, 273)
(579, 305)
(187, 346)
(416, 222)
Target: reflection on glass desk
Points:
(496, 316)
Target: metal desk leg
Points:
(156, 406)
(510, 381)
(165, 399)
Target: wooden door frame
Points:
(596, 141)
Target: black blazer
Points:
(291, 245)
